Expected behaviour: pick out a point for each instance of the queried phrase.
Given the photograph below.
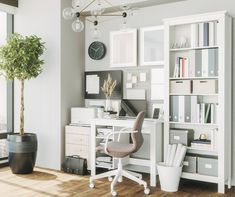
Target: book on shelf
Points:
(181, 69)
(203, 63)
(185, 109)
(207, 34)
(202, 144)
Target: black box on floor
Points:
(75, 165)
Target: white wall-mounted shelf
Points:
(192, 78)
(179, 94)
(175, 58)
(193, 48)
(195, 123)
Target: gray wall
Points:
(72, 69)
(153, 16)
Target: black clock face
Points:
(96, 50)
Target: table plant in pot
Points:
(20, 59)
(108, 88)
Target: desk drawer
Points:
(78, 130)
(72, 149)
(77, 139)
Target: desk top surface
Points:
(123, 121)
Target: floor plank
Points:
(47, 183)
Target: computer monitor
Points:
(132, 107)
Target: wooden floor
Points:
(44, 183)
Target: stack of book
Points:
(181, 67)
(204, 34)
(202, 144)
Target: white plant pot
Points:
(169, 177)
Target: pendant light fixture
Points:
(79, 9)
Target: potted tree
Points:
(20, 59)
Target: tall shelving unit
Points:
(175, 29)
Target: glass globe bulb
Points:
(77, 25)
(68, 13)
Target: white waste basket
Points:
(169, 177)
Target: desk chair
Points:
(120, 150)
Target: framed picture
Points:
(152, 46)
(123, 48)
(158, 111)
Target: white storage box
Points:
(180, 87)
(209, 86)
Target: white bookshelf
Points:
(175, 29)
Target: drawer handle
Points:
(203, 81)
(186, 163)
(208, 166)
(179, 82)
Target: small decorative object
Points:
(108, 88)
(20, 59)
(202, 137)
(97, 50)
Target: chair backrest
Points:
(137, 138)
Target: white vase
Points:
(108, 104)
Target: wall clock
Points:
(97, 50)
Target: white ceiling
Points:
(133, 3)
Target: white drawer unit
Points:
(77, 142)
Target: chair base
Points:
(118, 174)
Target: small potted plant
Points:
(20, 59)
(108, 88)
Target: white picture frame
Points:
(151, 46)
(123, 48)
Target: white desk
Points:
(152, 127)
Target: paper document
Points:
(92, 84)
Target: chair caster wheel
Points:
(146, 191)
(110, 178)
(92, 185)
(113, 193)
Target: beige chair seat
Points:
(119, 150)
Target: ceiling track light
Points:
(75, 13)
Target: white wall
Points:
(49, 97)
(153, 16)
(42, 95)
